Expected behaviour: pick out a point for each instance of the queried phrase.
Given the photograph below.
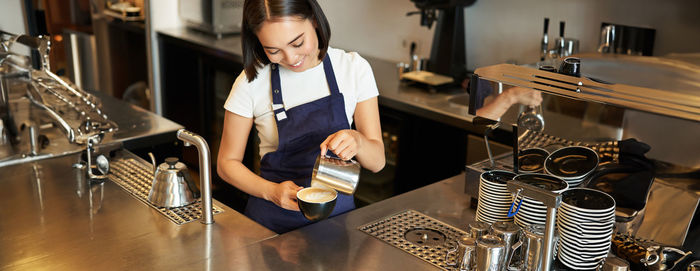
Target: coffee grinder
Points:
(448, 50)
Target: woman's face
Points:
(290, 42)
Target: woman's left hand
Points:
(344, 143)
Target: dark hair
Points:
(255, 12)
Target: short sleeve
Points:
(239, 100)
(366, 85)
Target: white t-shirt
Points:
(254, 99)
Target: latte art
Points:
(316, 195)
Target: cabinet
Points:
(127, 56)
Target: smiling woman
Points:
(283, 32)
(303, 97)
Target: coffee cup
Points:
(571, 66)
(548, 68)
(316, 203)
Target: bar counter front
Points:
(54, 218)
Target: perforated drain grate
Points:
(418, 234)
(532, 139)
(424, 237)
(136, 177)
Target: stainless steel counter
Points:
(337, 244)
(52, 218)
(137, 127)
(446, 107)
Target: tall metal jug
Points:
(337, 174)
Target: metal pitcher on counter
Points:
(172, 184)
(490, 253)
(531, 248)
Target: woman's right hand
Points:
(284, 195)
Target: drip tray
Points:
(136, 178)
(418, 234)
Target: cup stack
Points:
(494, 198)
(585, 221)
(534, 212)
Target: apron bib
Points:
(300, 130)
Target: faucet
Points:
(198, 141)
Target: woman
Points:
(302, 97)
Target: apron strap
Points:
(277, 102)
(330, 75)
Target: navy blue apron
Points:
(301, 130)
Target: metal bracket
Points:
(552, 201)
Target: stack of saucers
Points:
(585, 222)
(572, 164)
(534, 212)
(494, 198)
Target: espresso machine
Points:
(637, 119)
(37, 100)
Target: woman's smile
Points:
(298, 64)
(290, 42)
